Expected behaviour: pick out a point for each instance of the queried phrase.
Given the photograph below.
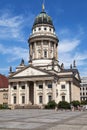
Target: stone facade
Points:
(3, 89)
(43, 79)
(83, 89)
(3, 96)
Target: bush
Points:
(75, 103)
(51, 105)
(84, 102)
(0, 106)
(63, 105)
(3, 106)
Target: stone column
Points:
(54, 50)
(49, 50)
(57, 52)
(9, 94)
(54, 90)
(42, 49)
(44, 93)
(18, 93)
(26, 93)
(30, 49)
(35, 96)
(72, 98)
(35, 55)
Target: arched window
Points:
(41, 99)
(49, 98)
(45, 53)
(14, 99)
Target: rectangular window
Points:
(14, 100)
(45, 53)
(5, 96)
(49, 85)
(63, 98)
(40, 86)
(22, 87)
(23, 99)
(62, 86)
(49, 98)
(14, 87)
(40, 99)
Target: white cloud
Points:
(68, 52)
(11, 27)
(14, 53)
(67, 45)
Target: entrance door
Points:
(31, 92)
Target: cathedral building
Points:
(43, 79)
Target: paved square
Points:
(42, 120)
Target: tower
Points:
(43, 42)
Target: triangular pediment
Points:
(30, 71)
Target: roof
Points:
(43, 18)
(3, 81)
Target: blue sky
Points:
(70, 21)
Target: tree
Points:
(51, 105)
(64, 105)
(75, 103)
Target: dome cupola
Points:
(43, 42)
(43, 18)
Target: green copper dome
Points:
(43, 18)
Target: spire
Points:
(43, 7)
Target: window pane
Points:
(14, 87)
(14, 99)
(63, 98)
(49, 85)
(45, 53)
(62, 86)
(40, 86)
(40, 99)
(23, 99)
(49, 98)
(23, 87)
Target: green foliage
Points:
(51, 105)
(3, 106)
(75, 103)
(63, 105)
(84, 102)
(0, 106)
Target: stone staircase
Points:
(27, 107)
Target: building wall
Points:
(42, 92)
(3, 96)
(83, 89)
(75, 92)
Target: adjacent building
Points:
(43, 79)
(83, 89)
(3, 89)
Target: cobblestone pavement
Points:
(42, 120)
